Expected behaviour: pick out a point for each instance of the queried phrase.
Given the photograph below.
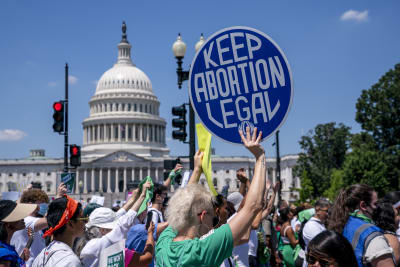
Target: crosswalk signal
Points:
(74, 155)
(179, 122)
(58, 116)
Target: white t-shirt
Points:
(312, 228)
(376, 248)
(91, 252)
(20, 238)
(57, 254)
(240, 254)
(253, 243)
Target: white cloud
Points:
(52, 84)
(11, 135)
(72, 79)
(359, 16)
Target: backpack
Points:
(301, 239)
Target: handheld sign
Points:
(240, 77)
(68, 179)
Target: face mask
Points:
(42, 208)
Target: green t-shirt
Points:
(208, 251)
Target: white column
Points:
(133, 132)
(148, 171)
(119, 132)
(109, 180)
(148, 133)
(116, 181)
(93, 189)
(101, 180)
(156, 170)
(112, 132)
(141, 132)
(84, 135)
(133, 174)
(126, 133)
(77, 182)
(85, 182)
(98, 133)
(273, 176)
(125, 180)
(140, 174)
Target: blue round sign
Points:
(240, 77)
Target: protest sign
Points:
(114, 255)
(13, 195)
(240, 77)
(69, 180)
(97, 199)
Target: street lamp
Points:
(179, 49)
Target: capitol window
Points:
(48, 186)
(134, 107)
(140, 108)
(129, 107)
(10, 174)
(215, 182)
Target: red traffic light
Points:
(58, 106)
(74, 151)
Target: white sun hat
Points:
(103, 218)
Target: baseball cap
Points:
(11, 211)
(235, 198)
(102, 217)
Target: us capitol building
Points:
(124, 140)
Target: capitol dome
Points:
(124, 111)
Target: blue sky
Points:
(335, 50)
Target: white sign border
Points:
(287, 64)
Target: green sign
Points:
(116, 260)
(69, 180)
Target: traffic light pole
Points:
(66, 121)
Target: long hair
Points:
(384, 216)
(346, 202)
(331, 245)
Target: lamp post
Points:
(179, 49)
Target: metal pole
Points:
(66, 120)
(192, 143)
(278, 166)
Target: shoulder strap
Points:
(358, 233)
(284, 231)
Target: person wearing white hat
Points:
(11, 220)
(112, 227)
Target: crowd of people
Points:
(195, 228)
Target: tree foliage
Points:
(337, 183)
(324, 149)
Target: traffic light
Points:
(58, 116)
(179, 122)
(75, 155)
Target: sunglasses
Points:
(322, 262)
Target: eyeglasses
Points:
(322, 262)
(83, 219)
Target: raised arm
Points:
(144, 259)
(142, 196)
(129, 203)
(198, 158)
(172, 174)
(271, 202)
(254, 197)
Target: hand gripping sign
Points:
(240, 77)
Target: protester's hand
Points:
(151, 228)
(277, 186)
(252, 142)
(241, 175)
(178, 167)
(198, 159)
(61, 190)
(146, 186)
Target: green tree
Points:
(367, 167)
(336, 184)
(378, 112)
(324, 149)
(306, 188)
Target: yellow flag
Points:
(204, 141)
